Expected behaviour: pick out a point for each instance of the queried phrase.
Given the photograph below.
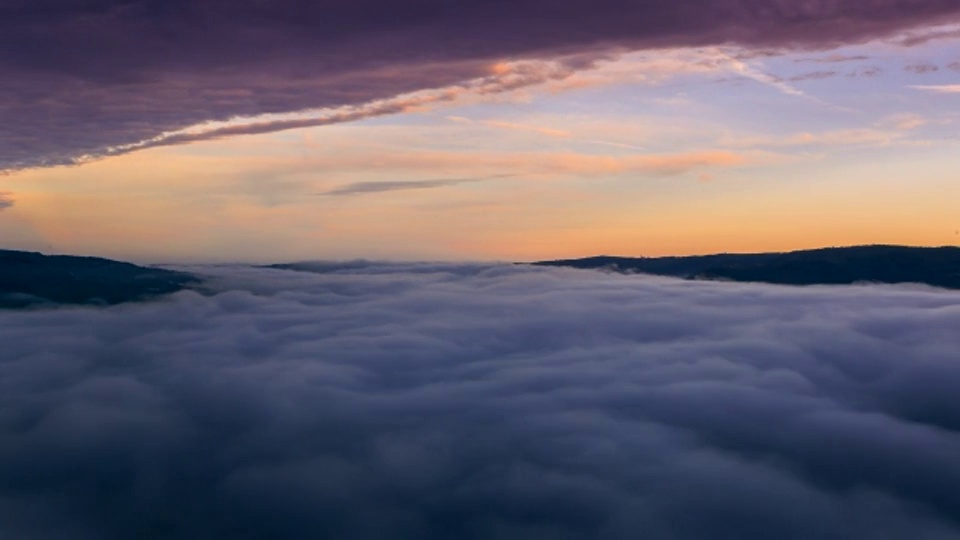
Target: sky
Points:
(249, 131)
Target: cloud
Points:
(866, 73)
(425, 401)
(779, 83)
(834, 138)
(359, 188)
(592, 164)
(940, 89)
(955, 66)
(550, 132)
(543, 130)
(504, 78)
(495, 164)
(904, 122)
(6, 200)
(750, 72)
(813, 76)
(921, 37)
(834, 58)
(80, 78)
(921, 69)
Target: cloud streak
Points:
(921, 69)
(504, 78)
(6, 200)
(81, 78)
(813, 76)
(921, 37)
(361, 188)
(429, 401)
(495, 164)
(940, 89)
(835, 58)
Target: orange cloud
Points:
(941, 89)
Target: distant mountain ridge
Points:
(28, 278)
(938, 266)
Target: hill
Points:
(939, 267)
(28, 278)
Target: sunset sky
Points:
(209, 131)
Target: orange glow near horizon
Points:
(605, 161)
(170, 207)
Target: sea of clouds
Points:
(414, 401)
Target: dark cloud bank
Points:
(78, 77)
(368, 401)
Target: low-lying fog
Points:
(369, 401)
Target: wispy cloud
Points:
(523, 127)
(865, 137)
(834, 58)
(920, 37)
(866, 73)
(6, 200)
(749, 71)
(504, 77)
(939, 88)
(362, 188)
(904, 122)
(813, 76)
(921, 69)
(746, 70)
(544, 130)
(537, 163)
(742, 68)
(502, 124)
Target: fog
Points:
(428, 401)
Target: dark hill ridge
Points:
(939, 267)
(28, 278)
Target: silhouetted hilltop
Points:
(28, 278)
(939, 267)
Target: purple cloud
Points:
(924, 36)
(79, 78)
(866, 73)
(834, 59)
(813, 76)
(922, 69)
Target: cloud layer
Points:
(362, 400)
(80, 78)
